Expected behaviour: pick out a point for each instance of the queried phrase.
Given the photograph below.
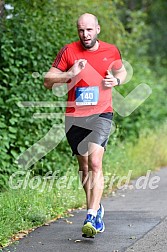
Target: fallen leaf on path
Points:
(71, 215)
(20, 235)
(67, 221)
(46, 224)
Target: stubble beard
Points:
(93, 42)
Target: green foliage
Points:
(151, 113)
(149, 152)
(29, 43)
(158, 35)
(137, 19)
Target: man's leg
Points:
(90, 168)
(96, 179)
(84, 175)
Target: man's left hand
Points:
(110, 80)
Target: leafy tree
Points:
(158, 36)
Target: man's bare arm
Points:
(121, 74)
(115, 78)
(56, 77)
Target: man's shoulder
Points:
(106, 45)
(73, 45)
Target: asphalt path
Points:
(135, 220)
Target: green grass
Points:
(24, 209)
(148, 153)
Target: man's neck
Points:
(94, 48)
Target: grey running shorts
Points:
(82, 130)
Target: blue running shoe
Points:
(89, 227)
(100, 227)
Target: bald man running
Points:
(90, 67)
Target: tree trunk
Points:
(1, 8)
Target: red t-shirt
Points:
(96, 98)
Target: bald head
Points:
(88, 29)
(87, 17)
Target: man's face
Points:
(87, 31)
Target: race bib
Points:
(87, 95)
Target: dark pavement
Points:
(135, 222)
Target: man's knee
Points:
(95, 165)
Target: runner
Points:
(90, 67)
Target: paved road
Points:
(135, 222)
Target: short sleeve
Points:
(61, 60)
(117, 64)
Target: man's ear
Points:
(98, 29)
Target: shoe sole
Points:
(88, 230)
(85, 236)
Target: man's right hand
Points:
(56, 77)
(78, 66)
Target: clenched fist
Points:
(110, 80)
(78, 66)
